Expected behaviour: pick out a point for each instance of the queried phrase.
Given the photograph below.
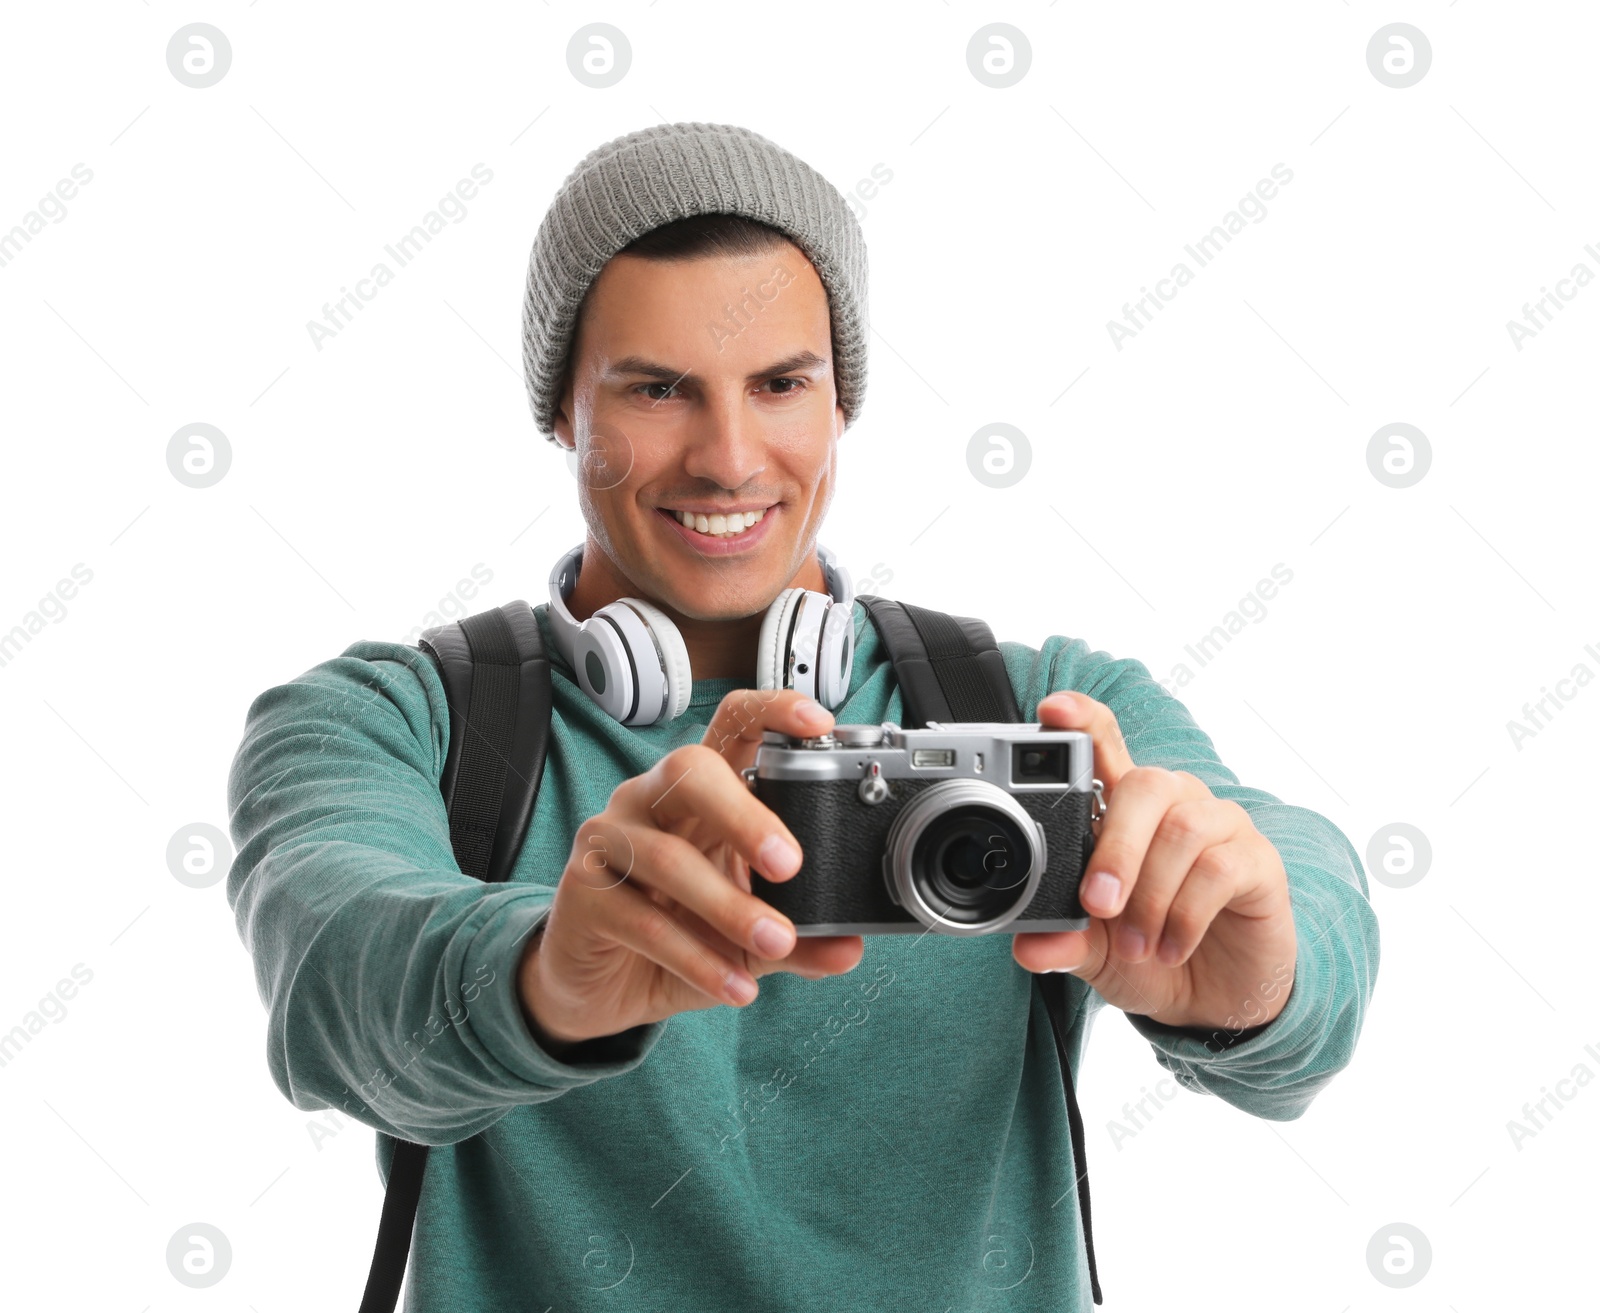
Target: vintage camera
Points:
(963, 828)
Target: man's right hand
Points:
(653, 914)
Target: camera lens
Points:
(972, 861)
(964, 857)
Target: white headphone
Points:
(631, 660)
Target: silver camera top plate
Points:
(980, 750)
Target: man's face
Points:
(705, 385)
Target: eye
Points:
(799, 385)
(644, 387)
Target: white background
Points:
(1166, 478)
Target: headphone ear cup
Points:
(602, 661)
(807, 642)
(771, 648)
(674, 654)
(837, 655)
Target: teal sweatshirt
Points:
(894, 1138)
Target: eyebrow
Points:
(638, 366)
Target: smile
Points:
(720, 525)
(721, 534)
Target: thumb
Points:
(1067, 710)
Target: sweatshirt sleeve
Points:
(1272, 1071)
(388, 975)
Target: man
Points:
(640, 1084)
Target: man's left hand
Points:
(1190, 922)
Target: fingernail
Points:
(741, 988)
(811, 711)
(778, 857)
(1130, 942)
(1100, 890)
(772, 939)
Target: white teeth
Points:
(720, 526)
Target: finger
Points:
(1189, 827)
(693, 788)
(746, 713)
(672, 866)
(1068, 710)
(812, 957)
(816, 956)
(1126, 831)
(1211, 885)
(626, 916)
(738, 870)
(1081, 952)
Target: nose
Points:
(728, 446)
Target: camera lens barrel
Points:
(964, 857)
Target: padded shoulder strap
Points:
(949, 668)
(497, 684)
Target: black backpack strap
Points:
(950, 669)
(497, 684)
(400, 1200)
(1053, 986)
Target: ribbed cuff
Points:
(496, 1018)
(1216, 1041)
(1198, 1045)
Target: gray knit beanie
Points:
(638, 182)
